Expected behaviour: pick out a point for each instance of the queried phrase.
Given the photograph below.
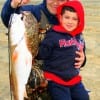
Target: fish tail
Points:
(13, 77)
(14, 85)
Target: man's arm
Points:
(7, 10)
(81, 58)
(10, 7)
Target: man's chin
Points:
(53, 13)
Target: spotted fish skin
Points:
(32, 29)
(24, 41)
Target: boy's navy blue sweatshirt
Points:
(58, 52)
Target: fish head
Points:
(25, 25)
(17, 28)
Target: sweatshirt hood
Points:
(44, 2)
(44, 8)
(52, 19)
(80, 12)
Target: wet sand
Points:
(91, 71)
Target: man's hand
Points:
(79, 59)
(17, 3)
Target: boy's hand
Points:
(16, 3)
(79, 59)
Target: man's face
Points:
(53, 4)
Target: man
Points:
(47, 9)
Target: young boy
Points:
(58, 52)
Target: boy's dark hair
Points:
(68, 8)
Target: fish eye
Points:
(22, 17)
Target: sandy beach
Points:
(90, 72)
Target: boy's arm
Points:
(44, 52)
(45, 48)
(81, 59)
(84, 51)
(84, 62)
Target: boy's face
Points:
(69, 20)
(53, 4)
